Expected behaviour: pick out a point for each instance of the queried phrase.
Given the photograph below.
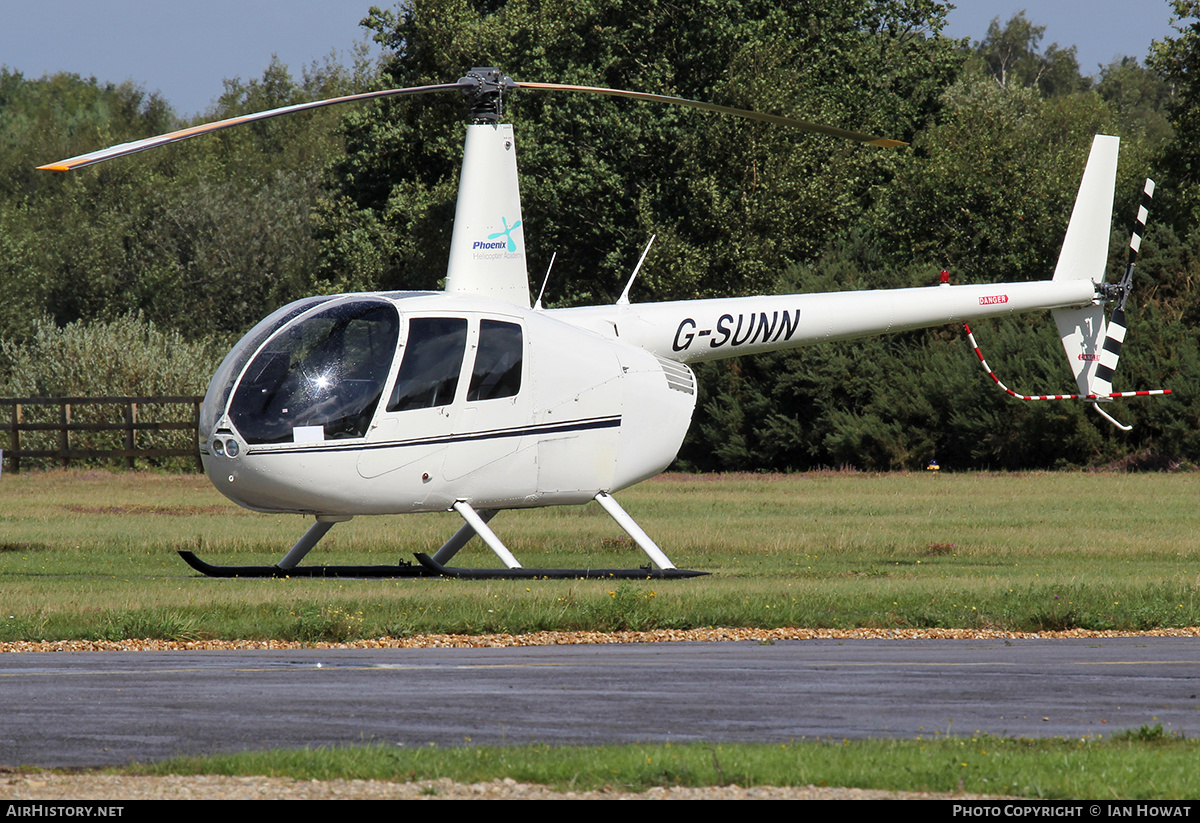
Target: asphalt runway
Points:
(90, 709)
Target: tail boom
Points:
(691, 331)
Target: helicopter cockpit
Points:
(319, 377)
(316, 370)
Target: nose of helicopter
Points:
(308, 376)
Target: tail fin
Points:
(1085, 255)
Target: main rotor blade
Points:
(465, 83)
(697, 104)
(151, 142)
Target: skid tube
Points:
(427, 567)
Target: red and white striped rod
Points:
(1092, 397)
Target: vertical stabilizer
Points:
(1085, 256)
(487, 250)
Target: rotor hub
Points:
(485, 93)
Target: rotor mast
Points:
(487, 246)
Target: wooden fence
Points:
(103, 428)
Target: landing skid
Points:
(428, 567)
(643, 573)
(435, 566)
(400, 570)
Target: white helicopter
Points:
(474, 400)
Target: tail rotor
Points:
(1111, 352)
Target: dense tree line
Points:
(207, 236)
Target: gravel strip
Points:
(480, 641)
(215, 787)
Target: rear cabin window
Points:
(497, 371)
(433, 358)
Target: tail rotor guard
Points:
(1081, 329)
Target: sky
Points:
(1101, 30)
(184, 50)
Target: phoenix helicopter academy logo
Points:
(500, 242)
(752, 327)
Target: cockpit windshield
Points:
(319, 377)
(222, 382)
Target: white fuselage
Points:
(588, 414)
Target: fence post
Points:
(64, 434)
(14, 459)
(130, 419)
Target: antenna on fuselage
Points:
(623, 300)
(538, 305)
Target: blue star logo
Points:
(507, 233)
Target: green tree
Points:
(204, 235)
(49, 226)
(1177, 61)
(988, 190)
(1139, 96)
(1012, 56)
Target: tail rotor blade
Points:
(1111, 352)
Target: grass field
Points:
(1139, 764)
(91, 555)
